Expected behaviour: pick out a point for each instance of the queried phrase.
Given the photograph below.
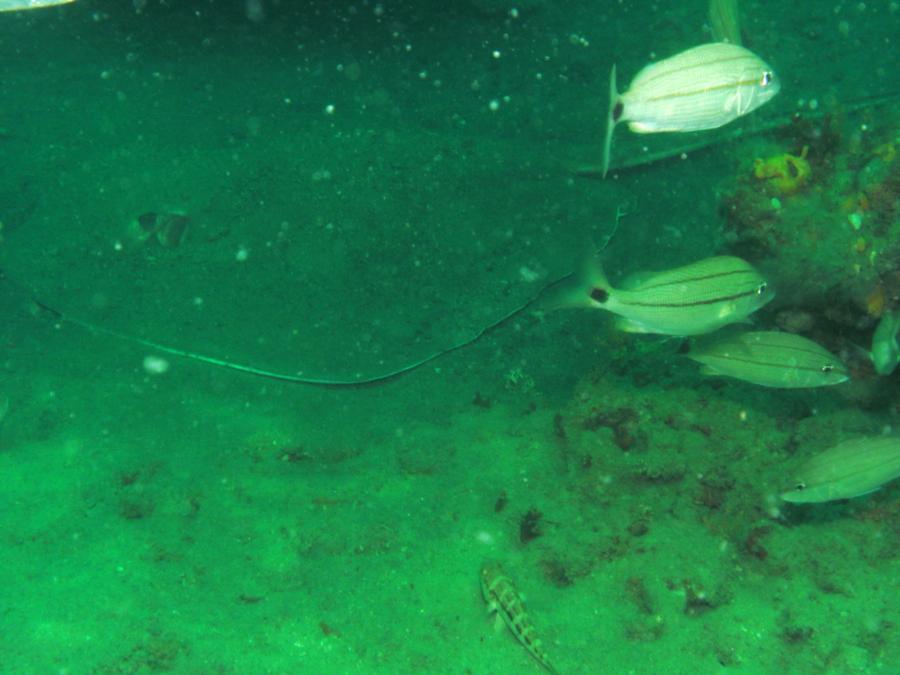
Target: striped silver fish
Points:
(771, 359)
(849, 469)
(690, 300)
(502, 597)
(18, 5)
(701, 88)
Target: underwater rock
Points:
(795, 320)
(802, 215)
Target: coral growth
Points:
(821, 215)
(783, 174)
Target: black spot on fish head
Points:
(617, 111)
(599, 295)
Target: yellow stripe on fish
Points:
(850, 469)
(502, 597)
(771, 359)
(702, 88)
(691, 300)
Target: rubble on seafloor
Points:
(817, 209)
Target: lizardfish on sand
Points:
(502, 597)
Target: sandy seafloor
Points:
(356, 204)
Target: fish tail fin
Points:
(587, 288)
(592, 276)
(611, 119)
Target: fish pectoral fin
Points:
(706, 369)
(499, 623)
(629, 326)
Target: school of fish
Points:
(706, 87)
(701, 88)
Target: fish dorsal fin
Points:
(615, 113)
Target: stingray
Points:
(534, 301)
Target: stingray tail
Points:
(615, 111)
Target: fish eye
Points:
(766, 79)
(800, 487)
(761, 289)
(827, 368)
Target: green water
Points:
(370, 183)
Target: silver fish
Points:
(885, 352)
(702, 88)
(849, 469)
(690, 300)
(18, 5)
(771, 359)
